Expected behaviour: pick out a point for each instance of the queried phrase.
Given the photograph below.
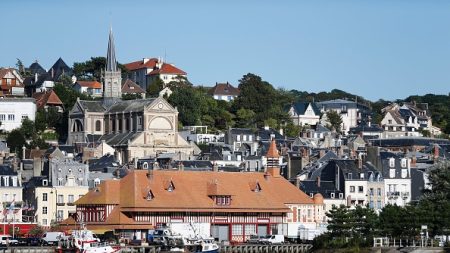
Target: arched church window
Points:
(98, 125)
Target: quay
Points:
(243, 248)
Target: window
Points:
(352, 189)
(360, 188)
(2, 117)
(341, 195)
(44, 196)
(223, 200)
(404, 173)
(379, 204)
(44, 222)
(332, 195)
(6, 181)
(98, 125)
(60, 199)
(392, 173)
(392, 162)
(244, 137)
(60, 182)
(379, 191)
(150, 195)
(389, 121)
(44, 210)
(71, 198)
(361, 175)
(250, 138)
(236, 229)
(11, 117)
(349, 175)
(24, 117)
(60, 215)
(44, 182)
(371, 191)
(238, 137)
(96, 182)
(403, 162)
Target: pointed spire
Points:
(111, 63)
(273, 151)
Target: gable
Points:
(161, 123)
(76, 109)
(160, 104)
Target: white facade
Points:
(308, 118)
(227, 98)
(11, 198)
(14, 110)
(398, 183)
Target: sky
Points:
(384, 49)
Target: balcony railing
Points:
(393, 194)
(60, 204)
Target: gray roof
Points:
(111, 63)
(300, 107)
(119, 138)
(130, 105)
(92, 106)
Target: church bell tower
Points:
(112, 76)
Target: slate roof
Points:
(37, 182)
(59, 68)
(131, 87)
(224, 89)
(300, 107)
(130, 105)
(325, 188)
(92, 106)
(408, 141)
(117, 139)
(36, 68)
(366, 128)
(6, 170)
(103, 164)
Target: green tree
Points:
(155, 87)
(292, 130)
(245, 118)
(340, 223)
(335, 120)
(186, 99)
(28, 128)
(131, 96)
(16, 140)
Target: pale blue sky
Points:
(376, 49)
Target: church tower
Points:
(112, 77)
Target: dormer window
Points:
(169, 186)
(392, 162)
(403, 162)
(150, 195)
(392, 173)
(223, 200)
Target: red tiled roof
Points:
(131, 87)
(224, 89)
(47, 98)
(167, 68)
(90, 84)
(151, 63)
(192, 191)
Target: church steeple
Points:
(111, 63)
(112, 77)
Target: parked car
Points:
(8, 240)
(273, 239)
(255, 239)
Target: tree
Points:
(335, 120)
(245, 118)
(340, 224)
(186, 100)
(16, 140)
(155, 87)
(28, 129)
(131, 96)
(292, 130)
(92, 69)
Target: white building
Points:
(397, 180)
(14, 110)
(304, 113)
(11, 195)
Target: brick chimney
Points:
(318, 181)
(436, 151)
(273, 157)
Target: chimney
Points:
(180, 166)
(215, 167)
(23, 152)
(53, 73)
(414, 161)
(273, 168)
(318, 181)
(360, 163)
(436, 151)
(35, 77)
(145, 60)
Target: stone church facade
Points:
(135, 128)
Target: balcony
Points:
(393, 195)
(60, 204)
(17, 204)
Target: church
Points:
(134, 128)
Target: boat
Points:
(85, 241)
(178, 243)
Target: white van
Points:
(8, 240)
(273, 239)
(51, 238)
